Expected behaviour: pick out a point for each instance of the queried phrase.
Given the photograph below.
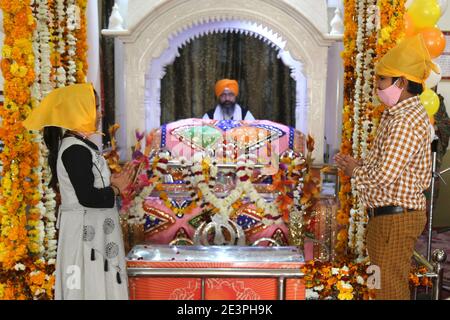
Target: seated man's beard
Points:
(228, 108)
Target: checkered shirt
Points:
(397, 169)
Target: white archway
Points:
(156, 70)
(153, 24)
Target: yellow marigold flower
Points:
(3, 251)
(348, 126)
(345, 296)
(385, 34)
(24, 45)
(30, 60)
(14, 169)
(6, 183)
(30, 20)
(33, 247)
(14, 68)
(6, 51)
(13, 106)
(21, 72)
(5, 220)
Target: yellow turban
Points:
(221, 85)
(72, 107)
(409, 59)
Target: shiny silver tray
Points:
(214, 253)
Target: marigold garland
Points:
(392, 31)
(20, 232)
(362, 102)
(59, 57)
(361, 113)
(47, 55)
(343, 280)
(418, 277)
(348, 55)
(81, 46)
(336, 281)
(42, 86)
(19, 155)
(297, 189)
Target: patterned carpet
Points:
(440, 240)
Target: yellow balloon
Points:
(430, 101)
(424, 13)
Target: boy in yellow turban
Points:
(392, 179)
(226, 91)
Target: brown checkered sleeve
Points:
(396, 151)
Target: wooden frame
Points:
(444, 59)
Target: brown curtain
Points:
(265, 84)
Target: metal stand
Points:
(433, 179)
(438, 257)
(442, 179)
(434, 175)
(435, 271)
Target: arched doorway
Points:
(266, 85)
(300, 27)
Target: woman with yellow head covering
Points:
(72, 107)
(392, 179)
(90, 262)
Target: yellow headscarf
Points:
(71, 107)
(409, 59)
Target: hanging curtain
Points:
(107, 71)
(265, 84)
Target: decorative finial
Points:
(337, 25)
(115, 19)
(439, 256)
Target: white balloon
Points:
(443, 5)
(408, 4)
(434, 78)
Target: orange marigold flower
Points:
(342, 218)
